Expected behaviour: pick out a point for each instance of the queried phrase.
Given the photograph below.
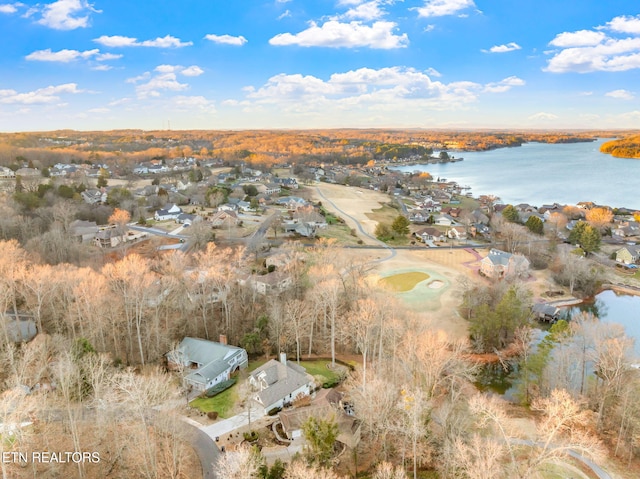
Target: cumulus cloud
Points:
(543, 116)
(115, 41)
(66, 14)
(192, 71)
(335, 34)
(10, 7)
(581, 38)
(163, 78)
(392, 89)
(366, 11)
(66, 56)
(620, 94)
(509, 47)
(191, 103)
(47, 95)
(226, 39)
(441, 8)
(599, 49)
(504, 85)
(625, 24)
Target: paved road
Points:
(598, 471)
(184, 246)
(392, 251)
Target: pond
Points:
(613, 307)
(608, 306)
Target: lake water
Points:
(623, 309)
(541, 173)
(608, 306)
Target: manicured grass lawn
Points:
(404, 281)
(222, 403)
(319, 368)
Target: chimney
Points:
(283, 358)
(223, 339)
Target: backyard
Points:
(224, 403)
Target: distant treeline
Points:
(624, 148)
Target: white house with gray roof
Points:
(500, 264)
(207, 363)
(278, 383)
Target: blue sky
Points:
(205, 64)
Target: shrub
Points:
(212, 415)
(274, 411)
(250, 436)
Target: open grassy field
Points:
(404, 281)
(385, 214)
(341, 232)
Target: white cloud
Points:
(63, 56)
(283, 1)
(335, 34)
(102, 68)
(504, 85)
(429, 28)
(190, 103)
(67, 56)
(98, 110)
(108, 56)
(192, 71)
(625, 24)
(365, 11)
(599, 49)
(509, 47)
(164, 78)
(161, 42)
(66, 14)
(433, 72)
(285, 14)
(620, 94)
(226, 39)
(392, 89)
(47, 95)
(581, 38)
(440, 8)
(9, 7)
(543, 116)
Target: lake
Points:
(541, 173)
(608, 306)
(613, 307)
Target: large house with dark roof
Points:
(207, 363)
(278, 383)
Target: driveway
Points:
(226, 426)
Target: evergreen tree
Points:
(510, 213)
(535, 225)
(400, 225)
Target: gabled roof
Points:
(214, 357)
(281, 379)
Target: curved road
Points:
(391, 250)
